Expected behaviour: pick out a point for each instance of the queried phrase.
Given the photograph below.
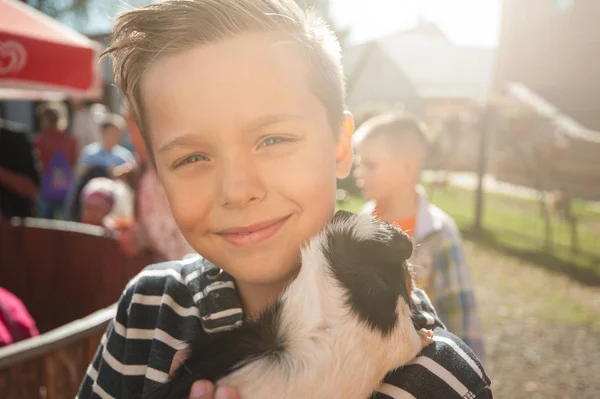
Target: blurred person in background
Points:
(58, 154)
(97, 200)
(392, 148)
(16, 324)
(107, 152)
(19, 172)
(107, 202)
(85, 126)
(73, 203)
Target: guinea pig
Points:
(335, 332)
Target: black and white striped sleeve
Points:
(106, 374)
(446, 369)
(155, 317)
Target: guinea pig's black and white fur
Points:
(336, 331)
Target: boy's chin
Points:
(267, 274)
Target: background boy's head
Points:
(52, 116)
(241, 103)
(392, 148)
(111, 130)
(97, 200)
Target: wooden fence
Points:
(52, 365)
(68, 275)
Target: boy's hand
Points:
(121, 171)
(129, 241)
(206, 390)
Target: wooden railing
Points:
(69, 276)
(52, 365)
(63, 271)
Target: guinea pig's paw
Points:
(426, 336)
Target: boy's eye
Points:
(190, 159)
(269, 141)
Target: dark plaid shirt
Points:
(171, 303)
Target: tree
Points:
(529, 146)
(60, 8)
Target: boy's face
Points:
(46, 124)
(245, 152)
(381, 171)
(111, 136)
(94, 213)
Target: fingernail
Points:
(199, 389)
(224, 393)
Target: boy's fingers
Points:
(206, 390)
(227, 393)
(202, 390)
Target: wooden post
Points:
(484, 126)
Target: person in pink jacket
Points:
(16, 324)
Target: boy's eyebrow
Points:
(190, 138)
(270, 120)
(178, 141)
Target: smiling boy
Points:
(241, 104)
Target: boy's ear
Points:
(344, 155)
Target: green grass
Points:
(514, 226)
(536, 300)
(509, 288)
(351, 204)
(572, 313)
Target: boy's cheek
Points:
(188, 201)
(191, 212)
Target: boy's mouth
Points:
(253, 234)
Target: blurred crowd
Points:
(88, 166)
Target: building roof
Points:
(437, 67)
(568, 125)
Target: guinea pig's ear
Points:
(342, 216)
(400, 245)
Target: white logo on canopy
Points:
(13, 57)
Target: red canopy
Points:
(42, 59)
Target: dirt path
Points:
(542, 329)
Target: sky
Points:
(465, 22)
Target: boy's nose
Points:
(240, 184)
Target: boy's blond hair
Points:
(168, 27)
(405, 133)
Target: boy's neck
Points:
(107, 148)
(402, 205)
(257, 297)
